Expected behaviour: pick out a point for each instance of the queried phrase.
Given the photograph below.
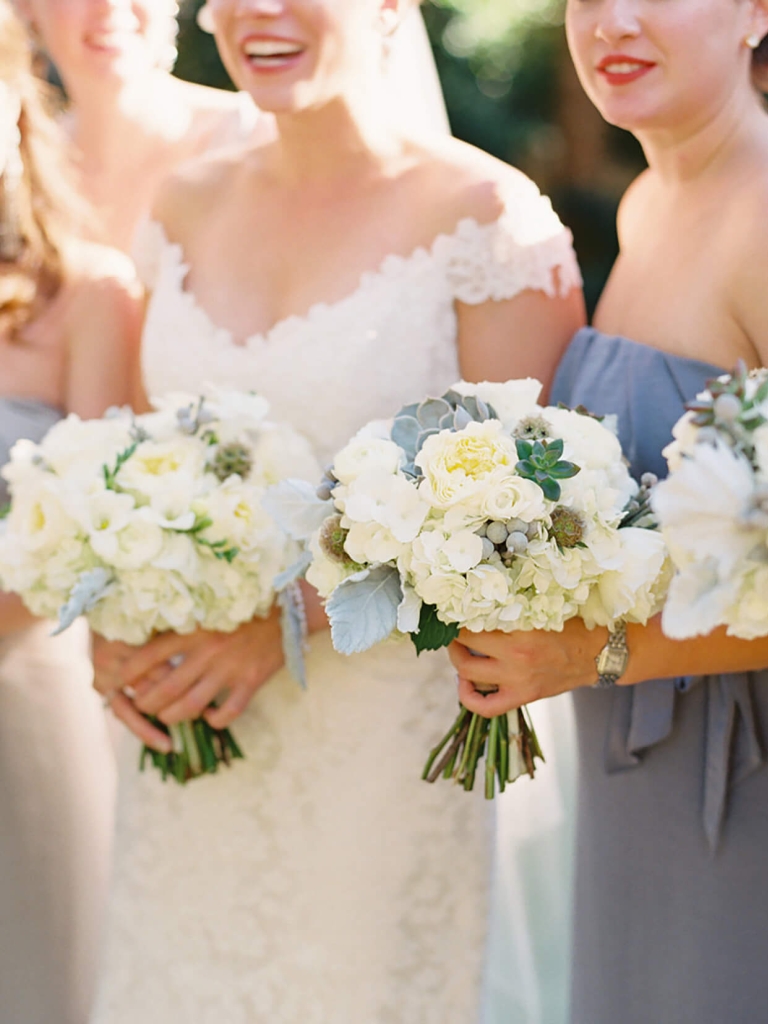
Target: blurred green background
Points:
(511, 89)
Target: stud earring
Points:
(205, 20)
(753, 41)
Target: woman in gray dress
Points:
(68, 315)
(671, 902)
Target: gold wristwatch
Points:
(612, 660)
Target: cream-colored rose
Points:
(458, 466)
(373, 456)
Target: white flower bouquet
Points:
(155, 523)
(479, 510)
(713, 510)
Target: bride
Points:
(342, 271)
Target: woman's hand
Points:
(176, 678)
(525, 666)
(109, 659)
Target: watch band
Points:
(611, 662)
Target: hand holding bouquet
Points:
(713, 510)
(155, 523)
(479, 510)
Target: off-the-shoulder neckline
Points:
(390, 264)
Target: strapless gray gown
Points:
(56, 795)
(671, 898)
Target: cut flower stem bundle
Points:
(458, 755)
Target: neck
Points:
(330, 141)
(705, 144)
(108, 124)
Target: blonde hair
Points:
(39, 206)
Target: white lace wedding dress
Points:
(321, 881)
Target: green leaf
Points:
(557, 446)
(524, 449)
(551, 489)
(564, 470)
(433, 633)
(110, 475)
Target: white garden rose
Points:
(369, 456)
(39, 521)
(457, 466)
(156, 466)
(587, 442)
(511, 401)
(512, 497)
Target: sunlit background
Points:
(510, 89)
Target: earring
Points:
(753, 41)
(205, 20)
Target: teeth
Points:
(109, 40)
(622, 69)
(271, 48)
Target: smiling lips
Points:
(619, 69)
(270, 53)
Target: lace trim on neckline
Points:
(173, 259)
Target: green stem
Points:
(436, 751)
(491, 760)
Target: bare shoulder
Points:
(744, 255)
(465, 182)
(101, 286)
(187, 195)
(95, 268)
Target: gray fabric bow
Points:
(643, 715)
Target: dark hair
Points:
(40, 210)
(760, 66)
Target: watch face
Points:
(611, 663)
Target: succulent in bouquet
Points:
(479, 510)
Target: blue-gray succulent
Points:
(415, 423)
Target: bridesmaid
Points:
(60, 301)
(671, 900)
(131, 120)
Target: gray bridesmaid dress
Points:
(56, 795)
(671, 897)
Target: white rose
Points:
(39, 520)
(511, 497)
(587, 442)
(156, 466)
(511, 401)
(371, 456)
(457, 465)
